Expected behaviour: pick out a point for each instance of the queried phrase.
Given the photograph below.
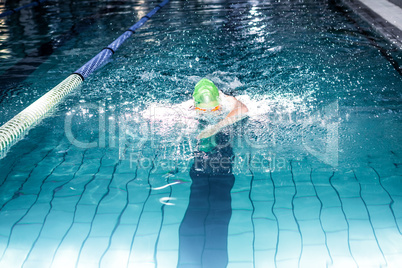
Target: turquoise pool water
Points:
(312, 178)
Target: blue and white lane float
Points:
(15, 10)
(14, 129)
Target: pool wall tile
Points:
(240, 264)
(338, 245)
(131, 215)
(289, 245)
(238, 205)
(240, 247)
(8, 190)
(65, 204)
(36, 214)
(312, 232)
(283, 197)
(264, 258)
(113, 202)
(167, 258)
(13, 258)
(115, 258)
(22, 202)
(328, 196)
(262, 191)
(314, 256)
(36, 263)
(367, 253)
(242, 217)
(56, 224)
(122, 238)
(92, 250)
(43, 252)
(342, 261)
(354, 208)
(103, 224)
(21, 241)
(289, 262)
(143, 249)
(267, 234)
(169, 238)
(390, 242)
(74, 238)
(360, 229)
(85, 213)
(306, 208)
(333, 219)
(262, 209)
(286, 219)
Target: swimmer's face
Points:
(208, 106)
(208, 110)
(206, 103)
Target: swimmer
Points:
(208, 100)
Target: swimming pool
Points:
(110, 177)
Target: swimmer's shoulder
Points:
(227, 97)
(226, 94)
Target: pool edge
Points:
(374, 14)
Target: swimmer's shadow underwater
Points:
(203, 233)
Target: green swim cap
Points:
(206, 94)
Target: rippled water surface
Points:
(324, 124)
(289, 59)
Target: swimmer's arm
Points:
(238, 112)
(239, 109)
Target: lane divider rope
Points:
(15, 10)
(11, 131)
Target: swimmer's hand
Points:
(209, 131)
(212, 130)
(238, 113)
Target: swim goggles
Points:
(209, 110)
